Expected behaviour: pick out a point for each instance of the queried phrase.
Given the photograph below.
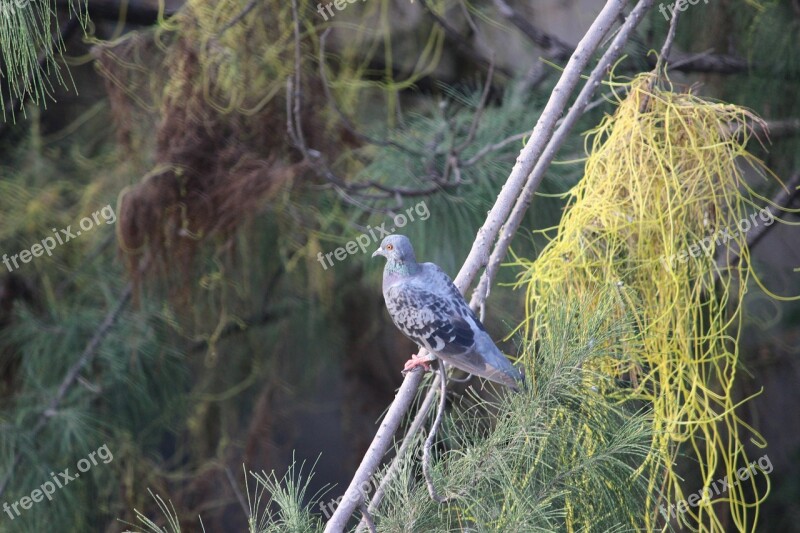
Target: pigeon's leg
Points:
(418, 360)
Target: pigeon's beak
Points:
(377, 252)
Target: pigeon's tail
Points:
(486, 361)
(501, 369)
(499, 376)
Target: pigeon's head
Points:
(396, 249)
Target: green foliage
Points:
(284, 508)
(167, 510)
(31, 46)
(766, 34)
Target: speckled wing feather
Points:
(428, 319)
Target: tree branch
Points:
(426, 449)
(553, 47)
(353, 496)
(729, 257)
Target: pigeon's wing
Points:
(430, 320)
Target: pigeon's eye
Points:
(390, 247)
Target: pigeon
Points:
(428, 309)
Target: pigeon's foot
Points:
(415, 361)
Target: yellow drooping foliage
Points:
(660, 214)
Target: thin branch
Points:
(663, 58)
(353, 496)
(476, 118)
(554, 47)
(581, 103)
(462, 42)
(479, 254)
(367, 517)
(729, 257)
(489, 148)
(237, 491)
(71, 377)
(242, 14)
(426, 450)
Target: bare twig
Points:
(367, 518)
(663, 58)
(242, 14)
(479, 254)
(554, 47)
(729, 257)
(476, 118)
(489, 148)
(426, 449)
(237, 491)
